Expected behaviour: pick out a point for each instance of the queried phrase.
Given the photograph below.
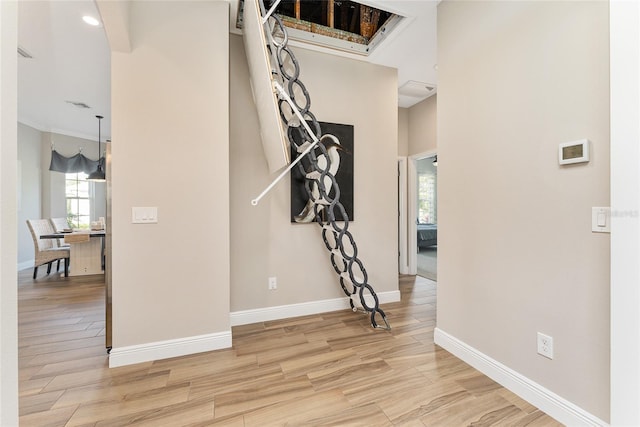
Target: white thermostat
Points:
(573, 152)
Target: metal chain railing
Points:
(321, 185)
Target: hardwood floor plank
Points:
(481, 411)
(375, 388)
(98, 376)
(38, 402)
(260, 394)
(478, 384)
(298, 411)
(70, 366)
(180, 414)
(334, 359)
(215, 365)
(284, 354)
(231, 380)
(52, 347)
(407, 404)
(66, 355)
(366, 415)
(274, 342)
(111, 392)
(50, 418)
(130, 404)
(29, 387)
(342, 376)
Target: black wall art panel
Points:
(343, 156)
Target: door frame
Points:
(403, 264)
(412, 217)
(625, 204)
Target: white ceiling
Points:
(71, 61)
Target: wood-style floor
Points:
(319, 370)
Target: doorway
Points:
(422, 215)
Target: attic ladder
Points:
(314, 163)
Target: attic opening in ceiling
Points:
(337, 24)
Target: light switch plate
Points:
(601, 220)
(144, 215)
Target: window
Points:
(78, 200)
(427, 191)
(426, 199)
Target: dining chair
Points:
(46, 250)
(60, 225)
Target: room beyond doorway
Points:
(428, 263)
(423, 215)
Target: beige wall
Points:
(516, 254)
(170, 150)
(423, 127)
(403, 132)
(264, 243)
(28, 190)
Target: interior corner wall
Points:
(263, 240)
(516, 254)
(423, 126)
(170, 150)
(29, 174)
(403, 132)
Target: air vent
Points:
(416, 89)
(78, 104)
(23, 53)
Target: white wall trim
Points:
(122, 356)
(412, 217)
(403, 264)
(624, 39)
(549, 402)
(246, 317)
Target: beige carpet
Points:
(427, 265)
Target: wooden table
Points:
(85, 256)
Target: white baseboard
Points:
(122, 356)
(246, 317)
(549, 402)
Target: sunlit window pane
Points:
(427, 198)
(83, 189)
(78, 200)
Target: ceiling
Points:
(71, 61)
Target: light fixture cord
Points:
(99, 138)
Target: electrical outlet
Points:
(545, 345)
(273, 283)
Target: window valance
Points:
(73, 164)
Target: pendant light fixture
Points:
(98, 174)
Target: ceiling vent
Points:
(78, 104)
(23, 53)
(417, 89)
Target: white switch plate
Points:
(601, 220)
(144, 215)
